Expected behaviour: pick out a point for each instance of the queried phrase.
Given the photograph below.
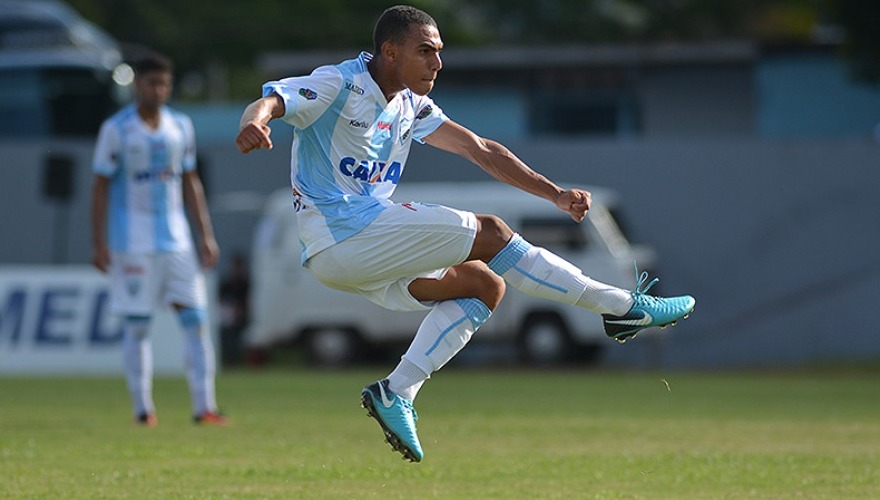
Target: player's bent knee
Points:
(492, 226)
(496, 293)
(492, 235)
(491, 288)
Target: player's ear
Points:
(389, 50)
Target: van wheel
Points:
(545, 340)
(332, 347)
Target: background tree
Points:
(859, 20)
(230, 35)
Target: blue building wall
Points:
(789, 96)
(500, 113)
(813, 96)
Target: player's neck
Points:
(380, 76)
(149, 115)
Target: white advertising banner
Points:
(55, 320)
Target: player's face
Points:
(153, 88)
(418, 59)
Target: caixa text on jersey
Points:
(371, 171)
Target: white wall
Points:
(55, 320)
(779, 241)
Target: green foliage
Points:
(862, 38)
(503, 435)
(235, 33)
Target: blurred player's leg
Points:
(185, 291)
(137, 355)
(200, 365)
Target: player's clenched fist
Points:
(576, 202)
(253, 136)
(253, 132)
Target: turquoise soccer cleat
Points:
(647, 311)
(397, 417)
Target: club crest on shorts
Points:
(133, 278)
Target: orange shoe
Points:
(147, 420)
(210, 418)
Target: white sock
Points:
(407, 379)
(444, 331)
(199, 359)
(137, 355)
(605, 299)
(539, 272)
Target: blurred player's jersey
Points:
(145, 166)
(349, 149)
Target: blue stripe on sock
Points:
(474, 310)
(540, 281)
(443, 334)
(509, 255)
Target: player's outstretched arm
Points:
(502, 164)
(253, 130)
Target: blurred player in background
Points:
(145, 170)
(353, 125)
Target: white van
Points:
(337, 328)
(60, 75)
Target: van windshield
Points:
(554, 232)
(54, 102)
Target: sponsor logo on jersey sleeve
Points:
(309, 94)
(425, 112)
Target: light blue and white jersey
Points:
(349, 149)
(145, 166)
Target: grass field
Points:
(486, 434)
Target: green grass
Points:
(486, 434)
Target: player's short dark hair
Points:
(152, 62)
(394, 24)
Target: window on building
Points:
(585, 112)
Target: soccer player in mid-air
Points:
(144, 169)
(353, 124)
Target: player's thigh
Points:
(184, 281)
(404, 241)
(135, 284)
(472, 279)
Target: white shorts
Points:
(140, 282)
(407, 241)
